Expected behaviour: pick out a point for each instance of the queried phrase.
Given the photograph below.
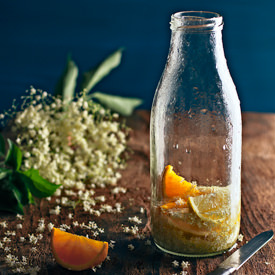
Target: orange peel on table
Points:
(176, 186)
(77, 252)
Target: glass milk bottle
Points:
(195, 143)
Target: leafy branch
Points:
(17, 187)
(66, 85)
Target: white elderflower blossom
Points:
(175, 263)
(101, 230)
(119, 189)
(50, 226)
(106, 208)
(133, 230)
(240, 237)
(65, 227)
(10, 233)
(7, 249)
(93, 225)
(55, 211)
(64, 200)
(100, 198)
(34, 249)
(180, 202)
(33, 239)
(126, 229)
(4, 224)
(22, 239)
(19, 226)
(70, 215)
(95, 212)
(131, 247)
(135, 219)
(6, 240)
(10, 259)
(184, 264)
(73, 146)
(118, 207)
(112, 244)
(40, 228)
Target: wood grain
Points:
(258, 192)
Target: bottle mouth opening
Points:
(195, 21)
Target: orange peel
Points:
(176, 186)
(77, 252)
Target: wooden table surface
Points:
(258, 212)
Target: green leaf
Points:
(38, 186)
(17, 194)
(4, 172)
(121, 105)
(17, 182)
(14, 156)
(92, 77)
(31, 199)
(67, 82)
(9, 201)
(2, 146)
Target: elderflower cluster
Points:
(72, 144)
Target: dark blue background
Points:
(36, 37)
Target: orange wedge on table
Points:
(77, 252)
(177, 186)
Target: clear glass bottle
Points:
(195, 143)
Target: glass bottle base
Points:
(190, 255)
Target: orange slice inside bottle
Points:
(176, 186)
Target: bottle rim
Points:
(194, 21)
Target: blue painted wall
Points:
(36, 37)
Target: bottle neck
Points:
(196, 21)
(197, 40)
(197, 48)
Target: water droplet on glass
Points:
(188, 151)
(224, 147)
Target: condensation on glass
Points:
(195, 142)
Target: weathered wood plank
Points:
(258, 192)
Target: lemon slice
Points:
(213, 207)
(185, 226)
